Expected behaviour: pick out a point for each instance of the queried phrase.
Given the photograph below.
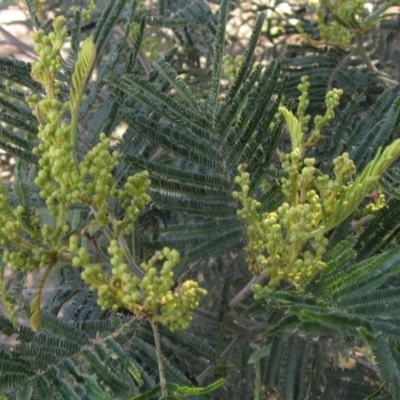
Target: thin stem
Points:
(161, 368)
(247, 290)
(240, 325)
(363, 54)
(74, 128)
(122, 242)
(19, 243)
(224, 355)
(61, 213)
(387, 82)
(257, 381)
(357, 224)
(337, 68)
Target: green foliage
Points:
(347, 44)
(124, 210)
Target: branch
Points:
(247, 290)
(224, 355)
(251, 328)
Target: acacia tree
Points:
(211, 239)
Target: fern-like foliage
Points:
(333, 336)
(347, 306)
(368, 65)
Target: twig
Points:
(337, 68)
(387, 82)
(246, 291)
(364, 363)
(22, 47)
(251, 328)
(356, 224)
(224, 355)
(161, 368)
(188, 271)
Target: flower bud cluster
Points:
(95, 183)
(250, 214)
(157, 285)
(13, 224)
(332, 100)
(134, 199)
(298, 127)
(19, 260)
(334, 32)
(278, 242)
(86, 15)
(10, 220)
(304, 102)
(344, 168)
(63, 181)
(379, 201)
(6, 300)
(291, 165)
(289, 243)
(16, 234)
(56, 163)
(176, 308)
(48, 48)
(332, 190)
(54, 147)
(92, 273)
(151, 296)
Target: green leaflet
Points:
(260, 353)
(83, 68)
(192, 391)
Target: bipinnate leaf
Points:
(83, 68)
